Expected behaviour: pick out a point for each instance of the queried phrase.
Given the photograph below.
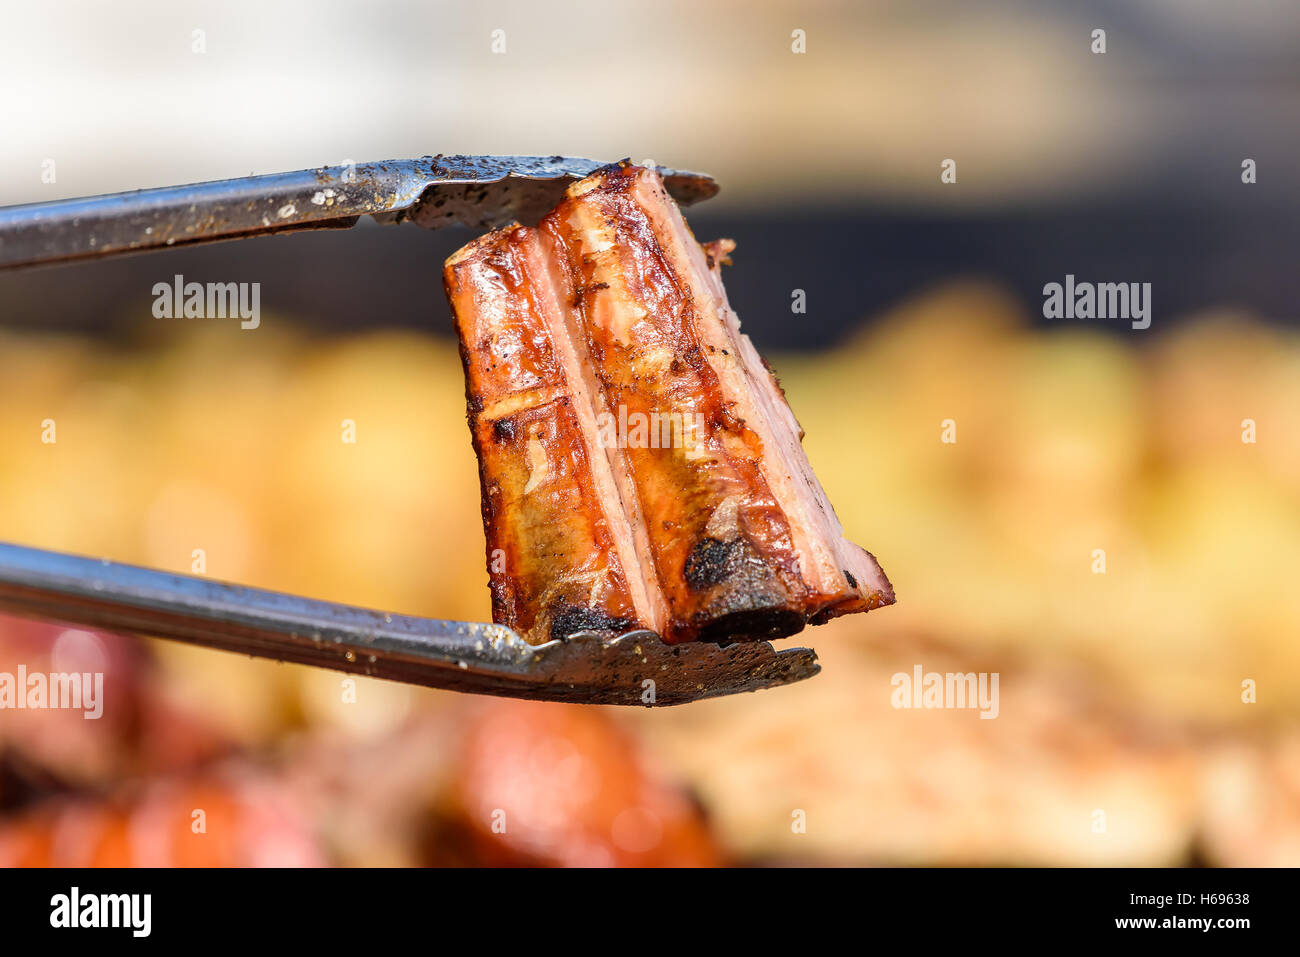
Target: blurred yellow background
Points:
(1121, 690)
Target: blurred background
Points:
(1121, 692)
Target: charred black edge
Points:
(762, 624)
(710, 562)
(571, 619)
(745, 597)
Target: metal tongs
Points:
(433, 191)
(636, 668)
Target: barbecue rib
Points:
(640, 466)
(559, 544)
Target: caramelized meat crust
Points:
(552, 520)
(640, 465)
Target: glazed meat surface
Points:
(631, 441)
(558, 542)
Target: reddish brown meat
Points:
(703, 504)
(558, 540)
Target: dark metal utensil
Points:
(433, 191)
(634, 669)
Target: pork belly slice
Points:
(562, 555)
(742, 538)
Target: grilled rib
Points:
(559, 545)
(607, 331)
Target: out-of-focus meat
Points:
(563, 785)
(607, 331)
(201, 822)
(136, 726)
